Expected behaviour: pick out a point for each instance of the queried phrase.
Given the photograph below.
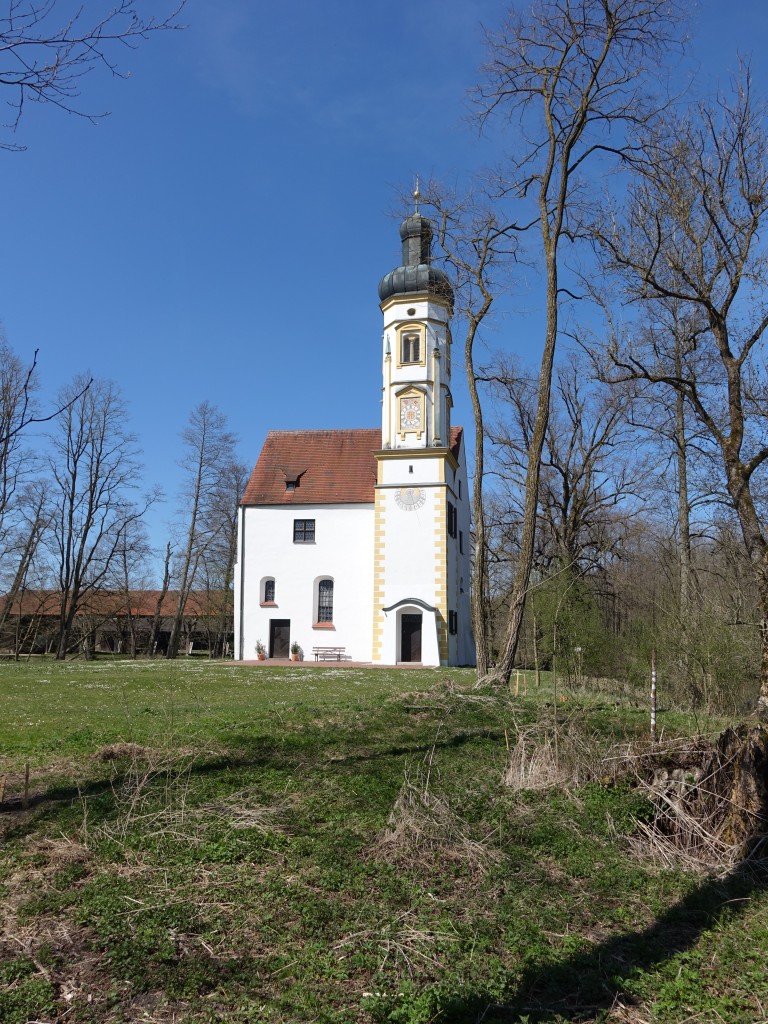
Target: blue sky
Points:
(221, 235)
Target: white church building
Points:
(355, 543)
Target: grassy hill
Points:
(209, 842)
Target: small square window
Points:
(303, 531)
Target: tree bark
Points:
(155, 629)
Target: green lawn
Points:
(74, 707)
(205, 842)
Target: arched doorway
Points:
(410, 636)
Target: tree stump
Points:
(712, 799)
(739, 781)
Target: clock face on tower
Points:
(410, 498)
(410, 414)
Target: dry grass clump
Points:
(152, 796)
(62, 851)
(422, 821)
(403, 945)
(533, 764)
(238, 811)
(629, 1013)
(116, 751)
(543, 757)
(436, 693)
(446, 694)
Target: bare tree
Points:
(591, 473)
(694, 234)
(23, 502)
(21, 548)
(476, 249)
(154, 630)
(571, 76)
(220, 557)
(17, 410)
(94, 466)
(209, 455)
(48, 46)
(130, 576)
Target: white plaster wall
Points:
(426, 309)
(409, 549)
(342, 552)
(425, 470)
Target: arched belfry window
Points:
(411, 347)
(325, 601)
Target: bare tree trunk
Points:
(159, 603)
(27, 554)
(683, 501)
(211, 454)
(503, 670)
(757, 549)
(480, 597)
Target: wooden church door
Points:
(410, 637)
(279, 638)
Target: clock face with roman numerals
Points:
(410, 498)
(410, 414)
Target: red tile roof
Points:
(331, 465)
(328, 466)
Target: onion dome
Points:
(417, 273)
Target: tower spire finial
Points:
(416, 195)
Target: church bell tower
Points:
(417, 302)
(417, 489)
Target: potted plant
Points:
(261, 650)
(295, 652)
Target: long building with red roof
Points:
(354, 544)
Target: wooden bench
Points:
(328, 653)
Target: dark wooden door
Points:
(410, 645)
(279, 638)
